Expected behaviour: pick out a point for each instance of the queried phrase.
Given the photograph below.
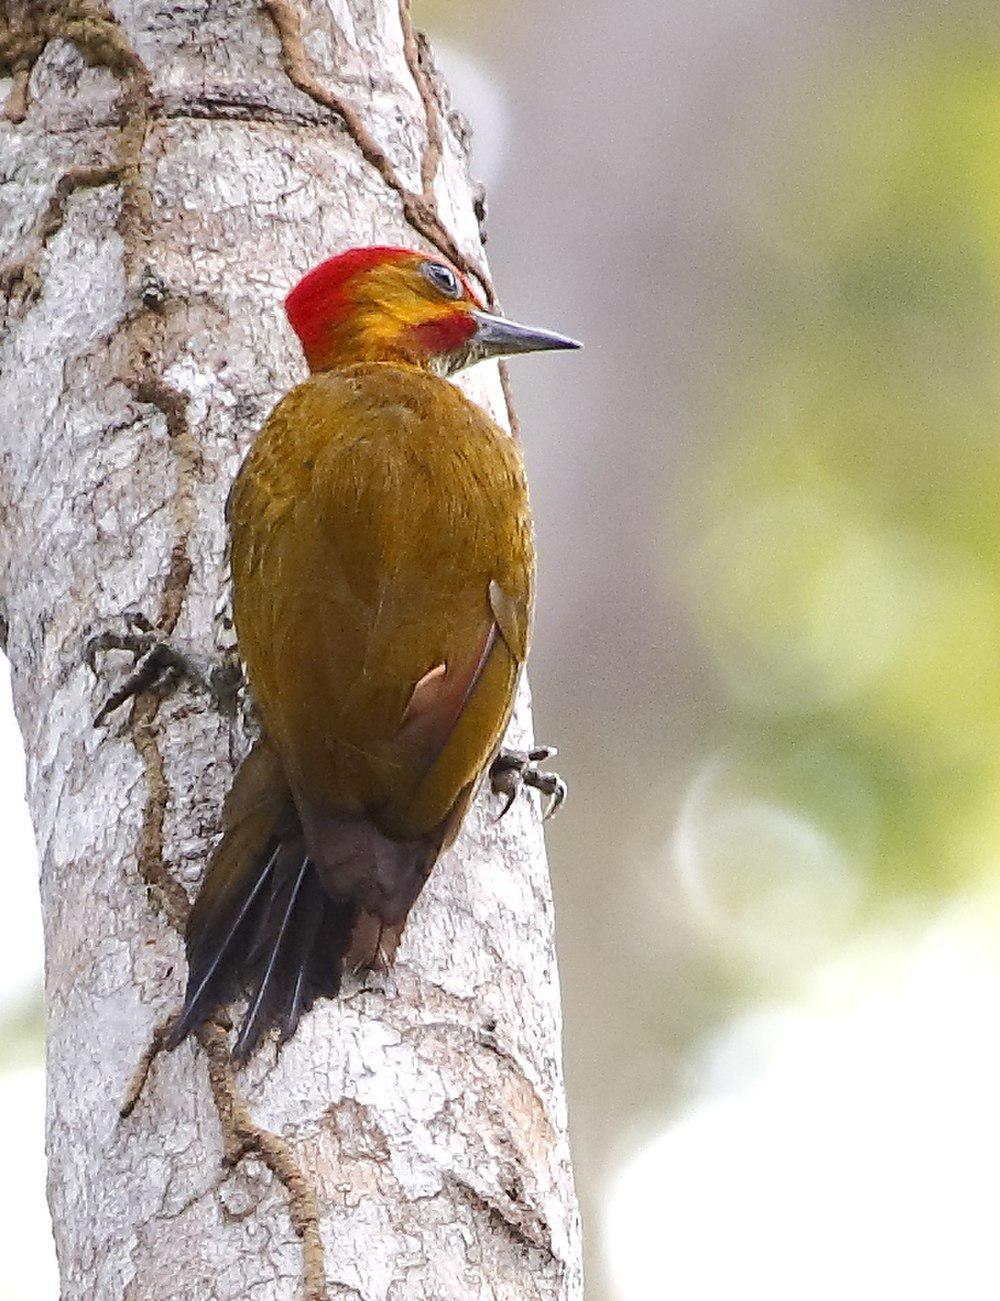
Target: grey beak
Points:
(497, 337)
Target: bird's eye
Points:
(442, 278)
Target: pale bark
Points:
(168, 171)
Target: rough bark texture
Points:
(168, 170)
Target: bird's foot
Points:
(159, 665)
(513, 769)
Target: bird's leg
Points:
(159, 665)
(513, 769)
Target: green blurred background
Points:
(768, 637)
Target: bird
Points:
(382, 583)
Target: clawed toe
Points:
(158, 665)
(514, 769)
(552, 786)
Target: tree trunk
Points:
(169, 170)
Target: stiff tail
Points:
(280, 919)
(262, 922)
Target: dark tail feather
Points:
(262, 922)
(277, 956)
(210, 980)
(307, 922)
(325, 929)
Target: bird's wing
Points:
(383, 571)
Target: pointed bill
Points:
(497, 337)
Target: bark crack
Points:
(231, 103)
(502, 1220)
(415, 50)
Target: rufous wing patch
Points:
(438, 698)
(425, 695)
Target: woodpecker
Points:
(383, 568)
